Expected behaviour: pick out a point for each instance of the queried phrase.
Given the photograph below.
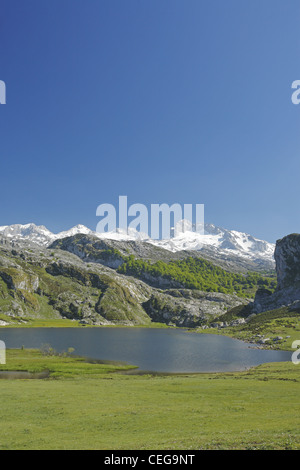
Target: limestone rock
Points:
(287, 293)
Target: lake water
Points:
(157, 350)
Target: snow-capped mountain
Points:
(39, 234)
(215, 239)
(220, 240)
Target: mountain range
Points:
(127, 278)
(84, 278)
(218, 279)
(216, 243)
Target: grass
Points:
(287, 329)
(28, 322)
(60, 365)
(281, 322)
(90, 406)
(67, 323)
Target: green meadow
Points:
(96, 405)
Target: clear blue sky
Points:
(160, 100)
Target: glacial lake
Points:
(156, 350)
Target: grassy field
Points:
(94, 406)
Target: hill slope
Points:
(86, 285)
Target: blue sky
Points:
(161, 100)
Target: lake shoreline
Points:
(74, 324)
(169, 351)
(120, 368)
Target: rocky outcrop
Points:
(17, 279)
(287, 257)
(188, 308)
(91, 249)
(287, 293)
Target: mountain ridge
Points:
(216, 242)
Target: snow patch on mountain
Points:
(223, 241)
(39, 234)
(123, 235)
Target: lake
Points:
(151, 349)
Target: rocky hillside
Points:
(81, 281)
(90, 248)
(287, 293)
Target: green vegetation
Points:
(282, 322)
(91, 406)
(196, 273)
(58, 364)
(28, 322)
